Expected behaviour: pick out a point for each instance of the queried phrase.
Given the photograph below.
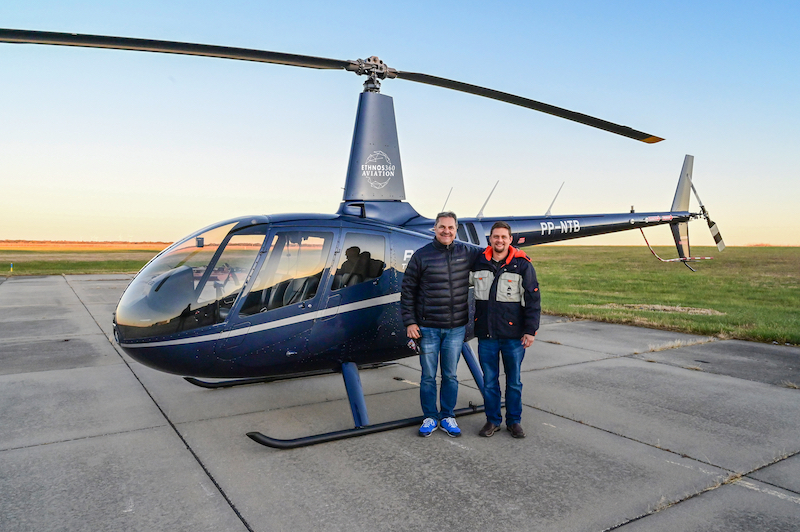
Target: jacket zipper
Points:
(449, 253)
(492, 290)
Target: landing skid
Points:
(259, 380)
(350, 433)
(355, 394)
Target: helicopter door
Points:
(278, 311)
(350, 319)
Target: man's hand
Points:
(412, 331)
(527, 340)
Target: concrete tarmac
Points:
(628, 429)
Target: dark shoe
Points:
(488, 429)
(516, 430)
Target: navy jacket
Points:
(507, 301)
(435, 290)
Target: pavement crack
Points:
(731, 478)
(82, 438)
(168, 420)
(751, 486)
(656, 446)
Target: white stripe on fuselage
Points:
(339, 309)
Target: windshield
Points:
(192, 284)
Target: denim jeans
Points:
(434, 342)
(489, 350)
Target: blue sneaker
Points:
(450, 426)
(428, 426)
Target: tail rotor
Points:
(680, 229)
(712, 225)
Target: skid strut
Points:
(358, 407)
(474, 367)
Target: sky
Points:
(115, 145)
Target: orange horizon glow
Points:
(87, 245)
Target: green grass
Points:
(28, 262)
(38, 267)
(750, 293)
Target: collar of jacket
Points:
(513, 253)
(441, 247)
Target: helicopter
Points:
(266, 297)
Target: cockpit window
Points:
(194, 252)
(225, 281)
(192, 284)
(291, 272)
(362, 260)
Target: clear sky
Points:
(111, 145)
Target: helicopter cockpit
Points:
(197, 281)
(191, 284)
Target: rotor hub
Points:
(374, 69)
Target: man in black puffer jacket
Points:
(435, 309)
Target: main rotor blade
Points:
(625, 131)
(169, 47)
(279, 58)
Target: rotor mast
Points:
(374, 172)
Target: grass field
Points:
(749, 293)
(27, 262)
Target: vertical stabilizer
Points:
(681, 201)
(374, 171)
(680, 231)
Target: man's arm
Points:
(533, 304)
(474, 253)
(408, 295)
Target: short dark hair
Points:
(446, 214)
(500, 225)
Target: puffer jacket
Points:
(435, 290)
(507, 300)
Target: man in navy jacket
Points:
(434, 304)
(507, 310)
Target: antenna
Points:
(447, 198)
(554, 199)
(480, 213)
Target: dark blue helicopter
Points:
(261, 298)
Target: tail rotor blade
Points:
(711, 224)
(715, 233)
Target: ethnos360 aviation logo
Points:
(377, 168)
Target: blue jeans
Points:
(434, 342)
(489, 350)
